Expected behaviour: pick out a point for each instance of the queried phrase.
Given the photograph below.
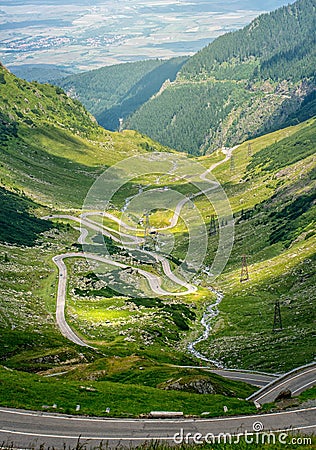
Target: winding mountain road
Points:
(120, 238)
(26, 429)
(154, 281)
(61, 302)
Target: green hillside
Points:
(115, 92)
(271, 187)
(277, 46)
(51, 147)
(51, 153)
(242, 85)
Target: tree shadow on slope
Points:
(140, 93)
(17, 223)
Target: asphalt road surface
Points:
(153, 280)
(296, 381)
(24, 429)
(256, 379)
(28, 428)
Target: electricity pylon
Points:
(213, 227)
(244, 275)
(277, 322)
(146, 228)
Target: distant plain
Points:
(83, 35)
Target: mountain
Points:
(51, 147)
(271, 184)
(242, 85)
(115, 92)
(43, 73)
(51, 151)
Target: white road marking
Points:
(180, 421)
(165, 438)
(284, 382)
(311, 383)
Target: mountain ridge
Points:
(52, 151)
(259, 77)
(115, 92)
(46, 136)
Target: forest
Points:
(115, 92)
(244, 84)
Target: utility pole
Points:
(244, 275)
(213, 227)
(249, 149)
(277, 322)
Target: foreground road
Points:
(23, 428)
(296, 381)
(258, 379)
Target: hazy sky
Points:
(87, 34)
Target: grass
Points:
(28, 299)
(35, 346)
(290, 150)
(277, 235)
(49, 142)
(145, 372)
(19, 225)
(53, 158)
(310, 394)
(33, 392)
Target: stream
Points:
(211, 313)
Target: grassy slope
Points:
(30, 340)
(32, 391)
(51, 151)
(49, 142)
(273, 197)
